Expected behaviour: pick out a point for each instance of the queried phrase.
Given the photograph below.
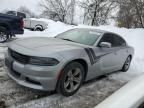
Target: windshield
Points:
(82, 36)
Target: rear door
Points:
(122, 53)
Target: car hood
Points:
(44, 44)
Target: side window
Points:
(108, 37)
(21, 15)
(119, 41)
(114, 39)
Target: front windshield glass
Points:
(82, 36)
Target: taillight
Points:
(21, 23)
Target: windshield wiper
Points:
(67, 39)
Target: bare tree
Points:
(139, 6)
(124, 16)
(62, 10)
(131, 13)
(97, 11)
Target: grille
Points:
(19, 57)
(32, 81)
(16, 74)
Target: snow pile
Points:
(53, 29)
(134, 37)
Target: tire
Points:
(38, 28)
(71, 79)
(126, 64)
(3, 34)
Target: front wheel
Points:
(3, 35)
(126, 64)
(71, 79)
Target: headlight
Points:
(42, 61)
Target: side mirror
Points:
(105, 45)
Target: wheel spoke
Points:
(73, 79)
(127, 64)
(76, 79)
(72, 86)
(76, 72)
(66, 84)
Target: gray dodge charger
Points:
(64, 62)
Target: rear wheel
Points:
(71, 79)
(126, 64)
(38, 28)
(3, 34)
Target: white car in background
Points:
(35, 24)
(30, 23)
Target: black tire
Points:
(3, 34)
(126, 65)
(65, 78)
(32, 29)
(39, 28)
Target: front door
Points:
(102, 60)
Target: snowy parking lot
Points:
(92, 92)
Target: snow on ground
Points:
(91, 93)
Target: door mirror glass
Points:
(105, 45)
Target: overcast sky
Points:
(14, 4)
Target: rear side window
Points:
(119, 41)
(115, 40)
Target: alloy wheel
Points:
(73, 80)
(127, 63)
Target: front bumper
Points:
(36, 77)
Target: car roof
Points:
(98, 30)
